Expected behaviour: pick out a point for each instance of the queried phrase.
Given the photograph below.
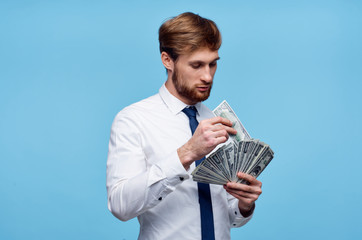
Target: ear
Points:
(167, 61)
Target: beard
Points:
(188, 91)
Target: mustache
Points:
(204, 85)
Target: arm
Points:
(133, 185)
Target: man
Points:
(152, 150)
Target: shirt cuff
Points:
(169, 169)
(238, 219)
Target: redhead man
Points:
(156, 143)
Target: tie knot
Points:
(190, 111)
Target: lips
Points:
(203, 89)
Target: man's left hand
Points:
(246, 194)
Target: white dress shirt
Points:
(146, 179)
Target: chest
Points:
(163, 134)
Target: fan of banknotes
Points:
(242, 154)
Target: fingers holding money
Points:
(209, 133)
(253, 190)
(216, 120)
(240, 190)
(220, 133)
(214, 128)
(246, 194)
(252, 180)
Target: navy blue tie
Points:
(207, 218)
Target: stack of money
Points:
(242, 154)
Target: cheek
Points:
(190, 78)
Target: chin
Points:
(202, 97)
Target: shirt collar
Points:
(173, 103)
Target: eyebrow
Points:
(202, 62)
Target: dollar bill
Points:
(224, 110)
(229, 152)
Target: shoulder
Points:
(139, 110)
(142, 106)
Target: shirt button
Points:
(236, 213)
(181, 178)
(160, 198)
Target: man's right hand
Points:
(208, 134)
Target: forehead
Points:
(200, 55)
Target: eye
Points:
(213, 64)
(196, 66)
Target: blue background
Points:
(290, 69)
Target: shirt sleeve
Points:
(134, 186)
(236, 218)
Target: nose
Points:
(207, 75)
